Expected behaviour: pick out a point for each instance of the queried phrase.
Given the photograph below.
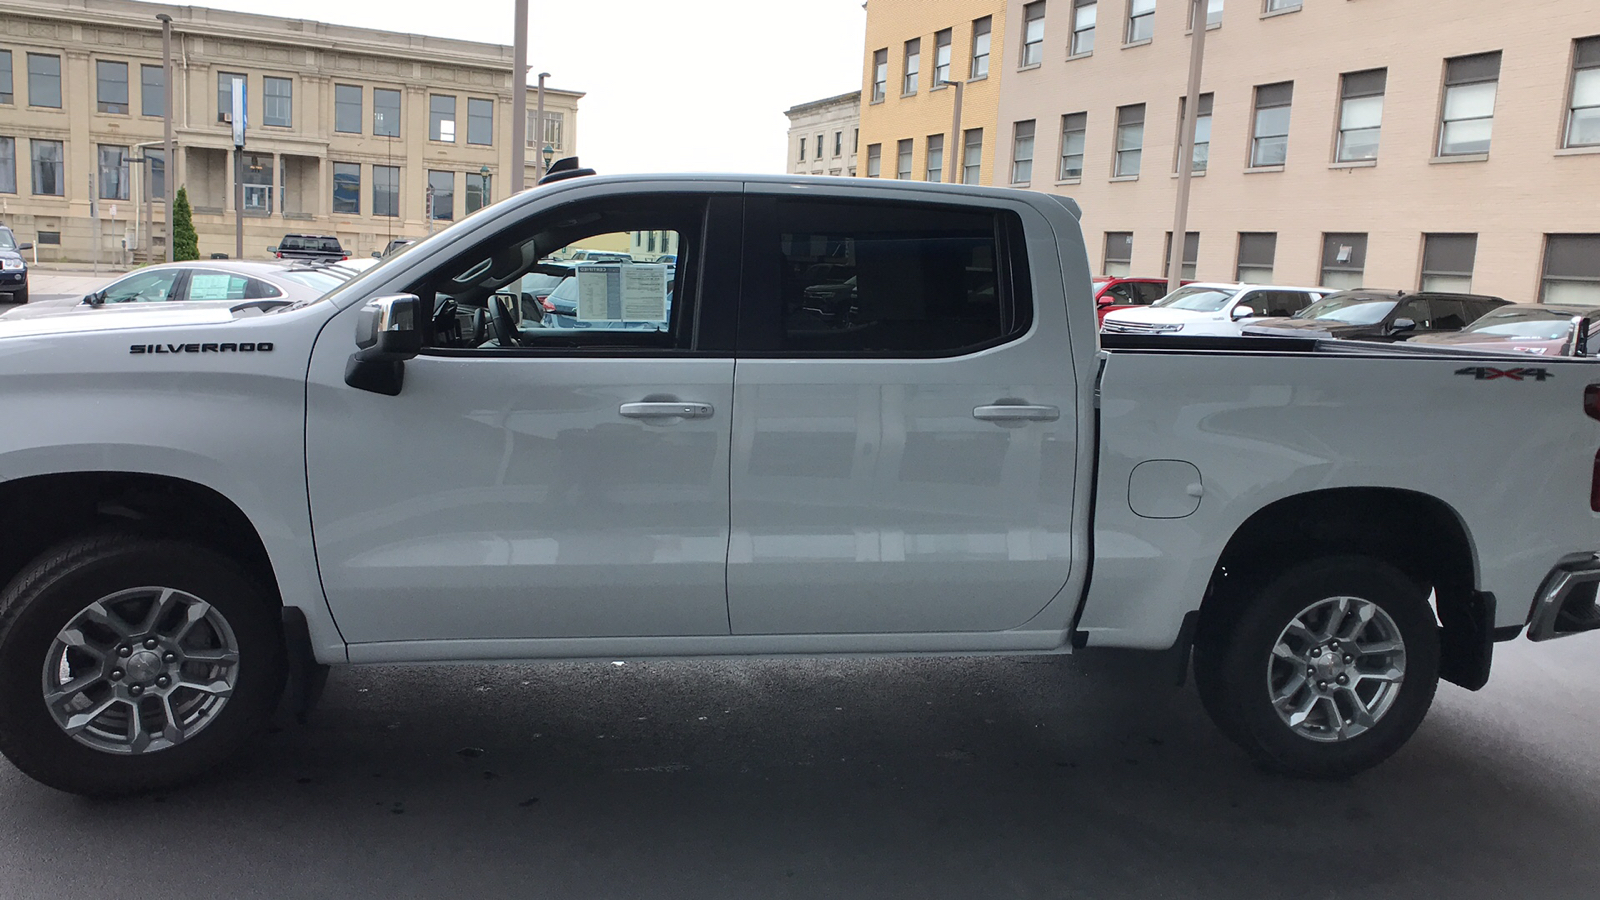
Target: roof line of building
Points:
(802, 107)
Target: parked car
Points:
(670, 259)
(611, 256)
(1369, 315)
(200, 508)
(224, 283)
(1536, 328)
(1116, 293)
(1211, 308)
(13, 267)
(309, 246)
(394, 246)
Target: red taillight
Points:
(1591, 401)
(279, 254)
(344, 257)
(548, 306)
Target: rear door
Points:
(902, 458)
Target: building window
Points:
(1256, 252)
(838, 144)
(1360, 114)
(1202, 133)
(1130, 140)
(386, 190)
(277, 102)
(874, 159)
(913, 66)
(477, 191)
(972, 156)
(1213, 14)
(818, 145)
(49, 168)
(442, 194)
(1467, 121)
(258, 183)
(480, 121)
(44, 81)
(441, 118)
(802, 149)
(1344, 260)
(6, 89)
(880, 74)
(8, 165)
(1571, 269)
(1583, 118)
(935, 157)
(1084, 13)
(1119, 254)
(1033, 33)
(155, 186)
(1022, 153)
(855, 141)
(1191, 253)
(111, 87)
(225, 95)
(553, 122)
(1074, 129)
(1281, 5)
(113, 172)
(1447, 262)
(152, 91)
(1270, 144)
(385, 114)
(902, 169)
(1141, 20)
(980, 47)
(347, 189)
(347, 108)
(941, 58)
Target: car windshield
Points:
(1198, 299)
(7, 242)
(1349, 310)
(324, 280)
(1534, 324)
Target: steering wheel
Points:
(504, 322)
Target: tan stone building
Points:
(825, 135)
(1341, 142)
(348, 127)
(906, 115)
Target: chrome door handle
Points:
(665, 410)
(1017, 413)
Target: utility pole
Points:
(519, 96)
(1191, 115)
(539, 131)
(240, 123)
(169, 151)
(955, 149)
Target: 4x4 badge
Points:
(1489, 373)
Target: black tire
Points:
(1232, 673)
(20, 296)
(66, 579)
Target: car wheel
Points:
(1328, 670)
(20, 296)
(129, 664)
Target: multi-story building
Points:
(349, 128)
(825, 135)
(916, 50)
(1340, 142)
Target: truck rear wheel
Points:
(129, 664)
(1328, 670)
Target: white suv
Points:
(1211, 308)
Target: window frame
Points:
(1120, 153)
(8, 163)
(904, 153)
(935, 149)
(111, 107)
(8, 86)
(1326, 262)
(1204, 115)
(59, 164)
(1018, 175)
(1461, 81)
(159, 88)
(46, 78)
(1082, 41)
(1186, 267)
(432, 184)
(484, 188)
(1137, 20)
(968, 146)
(391, 191)
(117, 188)
(1551, 242)
(880, 75)
(225, 94)
(943, 55)
(475, 119)
(1351, 89)
(1249, 243)
(1585, 60)
(1437, 244)
(1083, 144)
(1031, 45)
(379, 109)
(268, 100)
(1258, 140)
(982, 36)
(874, 160)
(437, 117)
(911, 67)
(341, 106)
(1107, 260)
(333, 199)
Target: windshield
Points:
(7, 242)
(1534, 324)
(1198, 299)
(329, 245)
(321, 279)
(1349, 310)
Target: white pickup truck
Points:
(852, 417)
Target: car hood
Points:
(11, 254)
(1495, 342)
(41, 308)
(88, 319)
(1309, 327)
(1162, 315)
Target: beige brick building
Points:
(906, 117)
(348, 126)
(825, 135)
(1377, 142)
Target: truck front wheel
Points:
(129, 664)
(1327, 670)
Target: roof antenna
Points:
(564, 168)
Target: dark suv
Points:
(13, 268)
(309, 246)
(1368, 315)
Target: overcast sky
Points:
(673, 85)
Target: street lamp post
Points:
(169, 168)
(519, 95)
(483, 187)
(540, 131)
(548, 153)
(1191, 115)
(955, 131)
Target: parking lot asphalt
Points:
(1028, 777)
(49, 285)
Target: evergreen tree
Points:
(185, 242)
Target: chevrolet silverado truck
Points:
(202, 510)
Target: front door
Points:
(904, 421)
(537, 476)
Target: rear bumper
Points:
(1565, 604)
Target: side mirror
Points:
(1402, 325)
(388, 332)
(1105, 301)
(25, 245)
(272, 249)
(1580, 337)
(95, 299)
(377, 255)
(1243, 312)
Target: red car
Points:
(1111, 294)
(1536, 328)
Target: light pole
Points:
(169, 166)
(548, 153)
(519, 95)
(483, 186)
(955, 131)
(1191, 115)
(539, 130)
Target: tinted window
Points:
(1126, 292)
(1278, 303)
(1417, 310)
(891, 280)
(1150, 291)
(1351, 310)
(1449, 315)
